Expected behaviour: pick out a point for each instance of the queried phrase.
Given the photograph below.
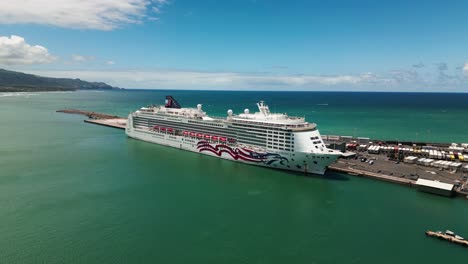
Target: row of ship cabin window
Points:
(276, 140)
(270, 136)
(202, 123)
(282, 145)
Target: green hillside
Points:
(11, 81)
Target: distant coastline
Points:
(23, 89)
(12, 81)
(28, 89)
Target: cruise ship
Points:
(262, 138)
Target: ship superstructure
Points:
(261, 138)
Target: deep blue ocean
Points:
(432, 117)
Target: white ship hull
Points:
(315, 163)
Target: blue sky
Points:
(243, 44)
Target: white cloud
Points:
(15, 51)
(81, 58)
(465, 68)
(83, 14)
(110, 62)
(173, 79)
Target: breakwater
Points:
(89, 114)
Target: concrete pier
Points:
(378, 176)
(380, 167)
(99, 118)
(89, 114)
(119, 123)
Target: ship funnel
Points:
(171, 102)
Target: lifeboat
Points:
(231, 140)
(207, 136)
(192, 134)
(186, 133)
(214, 137)
(162, 128)
(222, 139)
(170, 130)
(155, 127)
(199, 135)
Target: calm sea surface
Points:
(72, 192)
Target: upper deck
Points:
(263, 118)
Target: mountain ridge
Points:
(13, 81)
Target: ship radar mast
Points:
(263, 108)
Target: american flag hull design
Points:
(243, 154)
(300, 162)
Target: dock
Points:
(99, 118)
(438, 168)
(369, 174)
(404, 174)
(119, 123)
(449, 238)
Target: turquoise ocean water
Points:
(72, 192)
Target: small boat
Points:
(449, 233)
(459, 237)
